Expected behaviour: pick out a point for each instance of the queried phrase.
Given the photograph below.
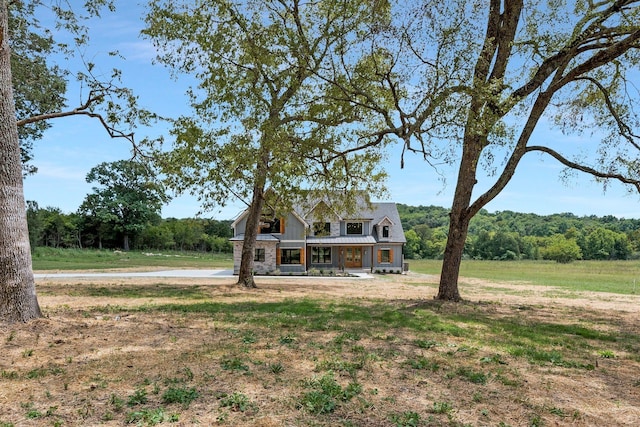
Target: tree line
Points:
(53, 228)
(509, 235)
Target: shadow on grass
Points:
(158, 290)
(563, 343)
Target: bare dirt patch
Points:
(113, 351)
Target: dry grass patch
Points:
(300, 352)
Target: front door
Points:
(353, 257)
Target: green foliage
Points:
(40, 85)
(561, 249)
(510, 235)
(234, 364)
(182, 395)
(271, 109)
(326, 394)
(236, 401)
(127, 199)
(139, 397)
(52, 228)
(406, 419)
(149, 417)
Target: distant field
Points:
(90, 259)
(622, 277)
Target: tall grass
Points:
(91, 259)
(622, 277)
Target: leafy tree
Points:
(479, 76)
(412, 247)
(269, 112)
(18, 301)
(602, 243)
(561, 249)
(157, 237)
(39, 87)
(127, 197)
(35, 223)
(115, 107)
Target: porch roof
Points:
(259, 238)
(342, 240)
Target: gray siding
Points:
(395, 264)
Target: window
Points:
(321, 228)
(270, 225)
(385, 231)
(290, 256)
(385, 256)
(258, 255)
(320, 255)
(354, 228)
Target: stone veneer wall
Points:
(269, 264)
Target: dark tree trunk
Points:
(126, 243)
(245, 275)
(459, 218)
(18, 301)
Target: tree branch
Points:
(586, 169)
(624, 128)
(93, 98)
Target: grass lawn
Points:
(90, 259)
(622, 277)
(325, 352)
(330, 352)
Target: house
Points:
(319, 238)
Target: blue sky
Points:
(76, 144)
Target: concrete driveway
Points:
(183, 273)
(163, 273)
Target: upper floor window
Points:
(321, 228)
(354, 228)
(385, 231)
(270, 225)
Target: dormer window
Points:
(354, 228)
(385, 231)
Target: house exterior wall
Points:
(298, 228)
(366, 226)
(269, 264)
(294, 230)
(396, 261)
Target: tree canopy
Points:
(127, 197)
(32, 92)
(268, 110)
(472, 80)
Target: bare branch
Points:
(583, 168)
(93, 98)
(624, 128)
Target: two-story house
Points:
(372, 239)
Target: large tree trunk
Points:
(18, 301)
(459, 218)
(245, 275)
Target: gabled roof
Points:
(385, 218)
(259, 238)
(342, 240)
(316, 206)
(246, 212)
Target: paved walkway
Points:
(181, 273)
(163, 273)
